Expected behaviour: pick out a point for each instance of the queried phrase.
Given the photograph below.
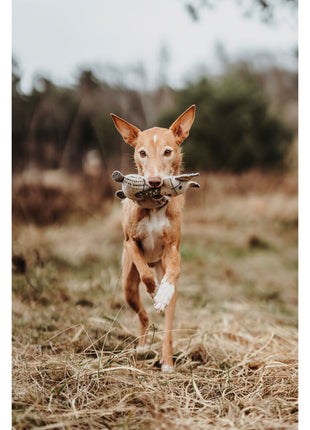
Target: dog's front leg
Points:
(167, 347)
(166, 298)
(171, 262)
(145, 272)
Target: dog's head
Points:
(157, 150)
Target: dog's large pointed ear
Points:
(128, 131)
(182, 125)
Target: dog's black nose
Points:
(154, 181)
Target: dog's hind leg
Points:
(131, 280)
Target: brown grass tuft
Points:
(45, 198)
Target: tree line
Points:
(245, 119)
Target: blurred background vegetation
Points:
(246, 118)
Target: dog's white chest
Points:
(150, 231)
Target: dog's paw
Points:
(163, 296)
(142, 349)
(152, 295)
(150, 282)
(166, 368)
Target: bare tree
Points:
(266, 8)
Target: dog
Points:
(152, 236)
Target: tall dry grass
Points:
(74, 337)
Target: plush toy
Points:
(173, 185)
(136, 188)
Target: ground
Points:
(235, 330)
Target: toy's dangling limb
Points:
(186, 176)
(119, 194)
(194, 184)
(117, 176)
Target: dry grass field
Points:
(235, 333)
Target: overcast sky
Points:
(56, 37)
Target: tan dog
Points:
(152, 236)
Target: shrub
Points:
(235, 128)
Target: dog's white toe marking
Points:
(163, 295)
(142, 349)
(165, 368)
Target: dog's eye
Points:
(142, 153)
(167, 152)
